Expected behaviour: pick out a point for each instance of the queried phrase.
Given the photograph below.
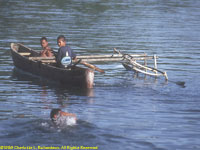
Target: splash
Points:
(63, 121)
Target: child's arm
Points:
(49, 53)
(68, 114)
(43, 53)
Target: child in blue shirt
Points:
(64, 51)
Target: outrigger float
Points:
(28, 60)
(131, 64)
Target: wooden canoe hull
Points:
(77, 76)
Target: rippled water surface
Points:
(122, 111)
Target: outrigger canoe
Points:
(76, 76)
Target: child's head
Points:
(43, 42)
(54, 113)
(61, 41)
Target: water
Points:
(121, 111)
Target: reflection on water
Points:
(123, 111)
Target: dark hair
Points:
(54, 112)
(43, 38)
(61, 37)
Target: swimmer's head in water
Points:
(54, 113)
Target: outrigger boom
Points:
(129, 61)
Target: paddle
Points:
(180, 83)
(90, 66)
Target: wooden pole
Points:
(25, 53)
(155, 63)
(108, 56)
(166, 77)
(53, 60)
(41, 58)
(145, 63)
(90, 59)
(113, 59)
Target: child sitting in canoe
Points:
(61, 118)
(46, 50)
(65, 53)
